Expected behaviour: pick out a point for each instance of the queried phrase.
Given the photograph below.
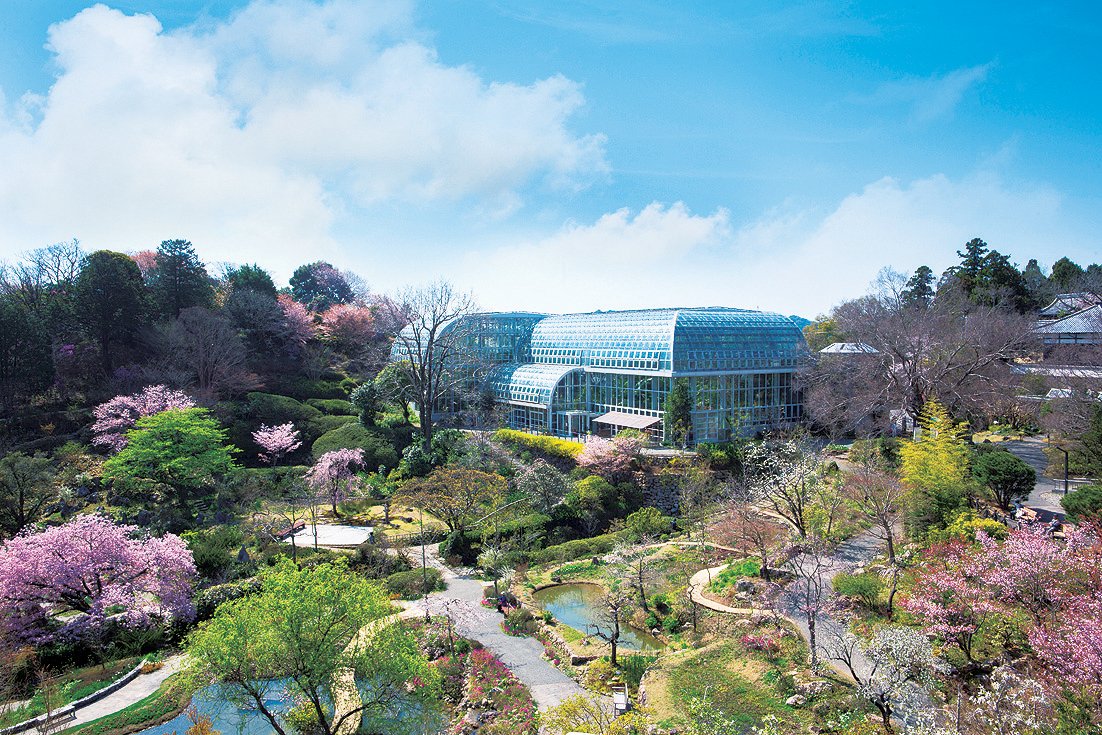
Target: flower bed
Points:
(491, 686)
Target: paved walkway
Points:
(1048, 491)
(523, 656)
(134, 691)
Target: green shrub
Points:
(571, 550)
(730, 576)
(865, 587)
(963, 527)
(324, 424)
(548, 445)
(208, 600)
(410, 584)
(519, 621)
(333, 406)
(303, 388)
(273, 409)
(461, 546)
(633, 667)
(377, 450)
(1083, 504)
(214, 549)
(647, 522)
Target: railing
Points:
(414, 538)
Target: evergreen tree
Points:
(920, 287)
(679, 419)
(1066, 274)
(319, 285)
(111, 301)
(179, 279)
(252, 278)
(26, 360)
(971, 264)
(1037, 285)
(1090, 446)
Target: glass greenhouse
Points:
(575, 374)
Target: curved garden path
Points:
(132, 692)
(523, 656)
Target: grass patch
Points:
(726, 580)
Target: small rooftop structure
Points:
(1069, 303)
(1082, 327)
(849, 348)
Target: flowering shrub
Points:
(764, 643)
(518, 621)
(488, 678)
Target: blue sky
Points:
(559, 156)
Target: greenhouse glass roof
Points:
(671, 341)
(528, 383)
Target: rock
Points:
(744, 585)
(472, 718)
(796, 700)
(811, 689)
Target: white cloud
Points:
(929, 98)
(253, 136)
(789, 260)
(620, 261)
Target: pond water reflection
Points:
(579, 605)
(407, 717)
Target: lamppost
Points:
(1065, 468)
(424, 565)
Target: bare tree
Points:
(635, 562)
(952, 350)
(206, 347)
(878, 496)
(809, 569)
(746, 529)
(615, 602)
(43, 274)
(430, 348)
(782, 473)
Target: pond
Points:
(227, 717)
(579, 605)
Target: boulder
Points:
(796, 700)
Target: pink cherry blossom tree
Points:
(350, 326)
(298, 321)
(276, 442)
(97, 568)
(118, 415)
(336, 475)
(610, 458)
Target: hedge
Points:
(333, 406)
(377, 450)
(549, 445)
(273, 409)
(571, 550)
(325, 424)
(409, 585)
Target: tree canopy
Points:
(304, 631)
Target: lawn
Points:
(744, 685)
(403, 519)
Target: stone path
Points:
(523, 656)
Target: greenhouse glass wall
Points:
(577, 374)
